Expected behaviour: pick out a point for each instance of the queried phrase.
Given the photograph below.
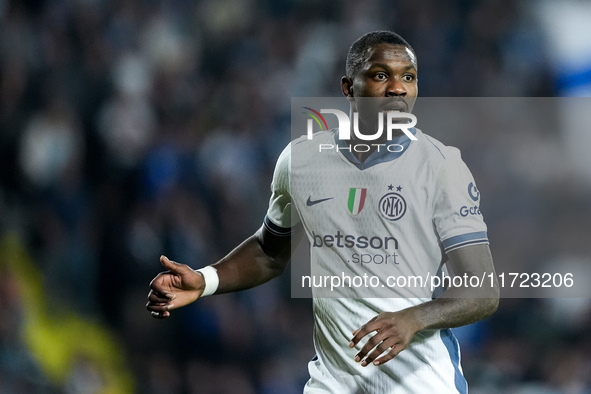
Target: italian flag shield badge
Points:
(356, 200)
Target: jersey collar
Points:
(377, 157)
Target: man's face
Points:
(389, 73)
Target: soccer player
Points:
(417, 205)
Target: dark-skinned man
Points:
(399, 198)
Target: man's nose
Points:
(396, 88)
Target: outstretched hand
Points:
(177, 287)
(394, 331)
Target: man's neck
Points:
(365, 148)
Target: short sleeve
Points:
(279, 219)
(456, 211)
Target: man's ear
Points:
(347, 87)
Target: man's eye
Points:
(408, 77)
(380, 76)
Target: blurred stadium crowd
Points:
(130, 129)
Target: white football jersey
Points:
(378, 233)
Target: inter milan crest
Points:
(392, 206)
(356, 200)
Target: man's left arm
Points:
(455, 307)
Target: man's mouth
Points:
(399, 105)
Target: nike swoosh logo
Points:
(310, 202)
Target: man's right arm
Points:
(258, 259)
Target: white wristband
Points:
(212, 280)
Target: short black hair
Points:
(360, 48)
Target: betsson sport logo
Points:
(344, 129)
(365, 249)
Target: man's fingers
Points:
(159, 307)
(174, 267)
(362, 332)
(156, 297)
(388, 356)
(371, 343)
(392, 335)
(380, 348)
(160, 285)
(161, 295)
(162, 315)
(377, 351)
(165, 261)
